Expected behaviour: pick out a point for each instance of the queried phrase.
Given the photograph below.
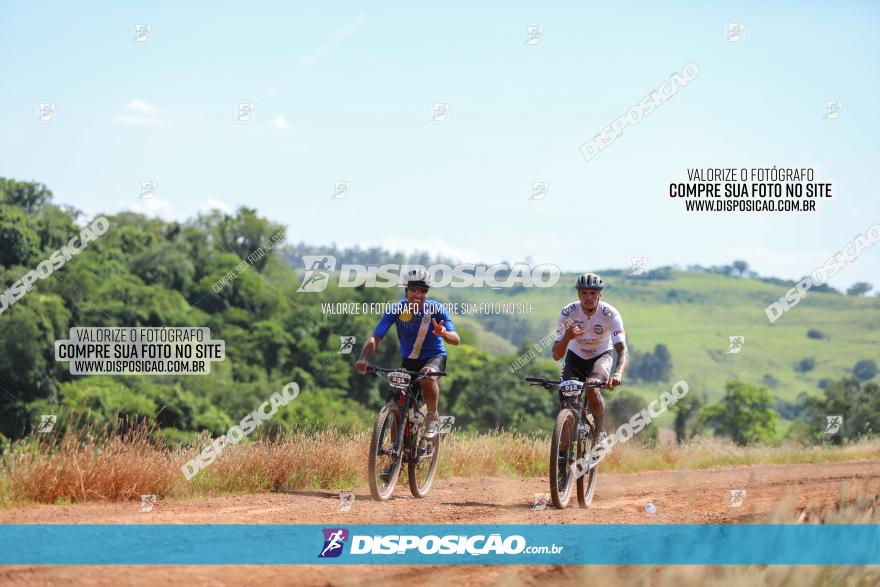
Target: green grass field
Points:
(695, 313)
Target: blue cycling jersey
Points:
(416, 331)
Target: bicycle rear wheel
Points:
(563, 450)
(385, 452)
(586, 483)
(422, 470)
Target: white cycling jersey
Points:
(601, 330)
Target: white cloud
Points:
(280, 122)
(142, 106)
(154, 207)
(211, 203)
(139, 112)
(153, 121)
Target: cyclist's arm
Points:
(369, 347)
(622, 359)
(451, 337)
(564, 334)
(560, 345)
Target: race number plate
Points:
(571, 387)
(399, 378)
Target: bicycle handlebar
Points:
(374, 370)
(553, 383)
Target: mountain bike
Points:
(573, 437)
(398, 435)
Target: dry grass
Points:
(108, 467)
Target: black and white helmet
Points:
(417, 276)
(590, 281)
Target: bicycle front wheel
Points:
(421, 471)
(386, 456)
(563, 450)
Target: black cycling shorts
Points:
(435, 363)
(578, 368)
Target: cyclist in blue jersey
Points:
(421, 337)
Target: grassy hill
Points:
(694, 314)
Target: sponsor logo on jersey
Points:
(598, 329)
(608, 312)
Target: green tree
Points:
(24, 194)
(859, 288)
(19, 240)
(745, 414)
(688, 421)
(865, 369)
(859, 404)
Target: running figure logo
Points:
(346, 344)
(833, 424)
(334, 539)
(318, 269)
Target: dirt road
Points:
(679, 497)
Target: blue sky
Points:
(344, 93)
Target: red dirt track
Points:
(700, 497)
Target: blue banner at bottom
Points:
(573, 544)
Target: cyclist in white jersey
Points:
(586, 332)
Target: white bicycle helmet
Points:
(417, 276)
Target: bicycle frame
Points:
(410, 397)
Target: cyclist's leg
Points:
(574, 367)
(431, 385)
(600, 370)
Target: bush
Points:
(815, 334)
(805, 365)
(865, 369)
(745, 414)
